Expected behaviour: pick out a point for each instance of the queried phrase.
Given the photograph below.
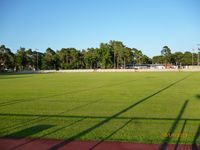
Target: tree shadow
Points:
(28, 131)
(99, 124)
(99, 117)
(173, 127)
(180, 135)
(194, 142)
(43, 117)
(56, 130)
(198, 96)
(107, 137)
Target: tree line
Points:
(113, 54)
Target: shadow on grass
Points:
(107, 119)
(56, 130)
(43, 117)
(180, 135)
(28, 131)
(198, 96)
(88, 130)
(173, 127)
(97, 117)
(194, 142)
(107, 137)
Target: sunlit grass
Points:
(139, 107)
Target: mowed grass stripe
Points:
(57, 146)
(12, 102)
(150, 120)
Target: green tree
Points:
(105, 56)
(91, 58)
(158, 59)
(37, 60)
(146, 60)
(127, 56)
(6, 58)
(166, 53)
(49, 59)
(29, 54)
(187, 58)
(137, 54)
(64, 55)
(69, 58)
(21, 59)
(177, 58)
(74, 59)
(117, 48)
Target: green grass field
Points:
(136, 107)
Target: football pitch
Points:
(159, 107)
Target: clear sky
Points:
(147, 25)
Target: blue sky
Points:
(147, 25)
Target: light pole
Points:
(198, 50)
(114, 60)
(37, 58)
(192, 57)
(198, 56)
